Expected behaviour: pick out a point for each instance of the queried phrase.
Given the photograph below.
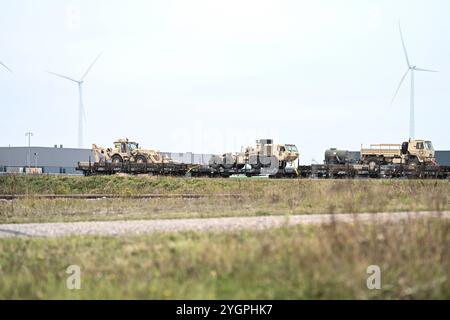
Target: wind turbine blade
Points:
(399, 85)
(61, 76)
(426, 70)
(404, 46)
(4, 65)
(89, 69)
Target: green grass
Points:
(286, 263)
(257, 197)
(142, 184)
(116, 184)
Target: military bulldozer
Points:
(264, 154)
(125, 151)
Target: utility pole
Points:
(29, 134)
(35, 159)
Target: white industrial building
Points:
(60, 160)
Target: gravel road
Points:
(135, 227)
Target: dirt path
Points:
(135, 227)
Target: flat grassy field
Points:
(315, 262)
(256, 197)
(301, 262)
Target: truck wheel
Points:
(254, 162)
(116, 159)
(215, 162)
(372, 164)
(141, 159)
(227, 166)
(413, 163)
(227, 162)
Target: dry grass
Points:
(257, 197)
(287, 263)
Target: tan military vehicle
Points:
(127, 151)
(261, 155)
(412, 152)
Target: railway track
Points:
(119, 196)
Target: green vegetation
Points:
(142, 184)
(116, 184)
(256, 197)
(286, 263)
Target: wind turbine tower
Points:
(411, 68)
(81, 112)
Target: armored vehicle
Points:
(263, 155)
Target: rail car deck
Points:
(309, 171)
(379, 171)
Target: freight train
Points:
(411, 159)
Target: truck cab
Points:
(423, 150)
(125, 148)
(287, 152)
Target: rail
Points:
(117, 196)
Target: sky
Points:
(212, 76)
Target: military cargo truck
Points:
(413, 152)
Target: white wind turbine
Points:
(411, 68)
(5, 66)
(81, 112)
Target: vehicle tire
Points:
(215, 162)
(227, 166)
(240, 165)
(405, 147)
(116, 159)
(254, 162)
(227, 162)
(141, 159)
(414, 163)
(372, 163)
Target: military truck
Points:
(413, 152)
(263, 155)
(128, 151)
